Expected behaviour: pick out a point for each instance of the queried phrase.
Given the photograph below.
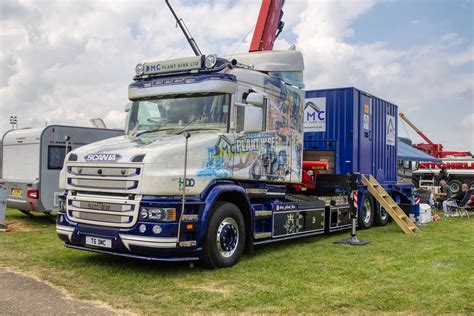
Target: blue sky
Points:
(69, 61)
(405, 23)
(411, 23)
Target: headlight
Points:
(210, 61)
(139, 69)
(158, 214)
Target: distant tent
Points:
(406, 152)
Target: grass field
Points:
(432, 272)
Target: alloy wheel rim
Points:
(367, 211)
(227, 237)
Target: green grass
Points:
(432, 272)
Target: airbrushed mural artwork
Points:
(271, 155)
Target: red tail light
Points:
(33, 194)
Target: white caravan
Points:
(33, 158)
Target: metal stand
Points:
(353, 240)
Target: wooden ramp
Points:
(392, 208)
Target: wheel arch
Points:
(231, 193)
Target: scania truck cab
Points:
(212, 147)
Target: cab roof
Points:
(271, 61)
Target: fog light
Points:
(142, 228)
(157, 229)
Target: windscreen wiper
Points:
(196, 129)
(153, 130)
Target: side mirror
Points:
(128, 106)
(254, 98)
(253, 119)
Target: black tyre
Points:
(382, 216)
(367, 213)
(225, 239)
(455, 186)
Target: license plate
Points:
(16, 192)
(98, 242)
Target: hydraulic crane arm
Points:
(269, 25)
(416, 129)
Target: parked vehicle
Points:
(33, 158)
(212, 160)
(213, 151)
(460, 170)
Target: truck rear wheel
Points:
(382, 216)
(367, 212)
(225, 239)
(455, 186)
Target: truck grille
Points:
(116, 178)
(104, 184)
(103, 210)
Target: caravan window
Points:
(56, 155)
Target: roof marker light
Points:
(210, 61)
(139, 69)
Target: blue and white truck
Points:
(211, 164)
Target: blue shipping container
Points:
(356, 128)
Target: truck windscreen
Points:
(171, 114)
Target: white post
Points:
(3, 206)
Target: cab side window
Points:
(240, 112)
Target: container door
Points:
(366, 134)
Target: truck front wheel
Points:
(225, 239)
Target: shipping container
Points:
(357, 132)
(354, 130)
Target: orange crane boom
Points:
(435, 150)
(269, 25)
(402, 115)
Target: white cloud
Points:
(69, 61)
(468, 121)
